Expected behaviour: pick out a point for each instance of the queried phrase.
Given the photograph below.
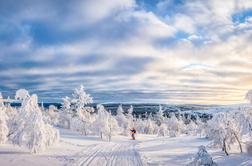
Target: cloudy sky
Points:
(161, 51)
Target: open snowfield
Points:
(179, 151)
(74, 149)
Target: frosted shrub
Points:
(202, 158)
(30, 130)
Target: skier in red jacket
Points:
(133, 132)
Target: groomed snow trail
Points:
(107, 154)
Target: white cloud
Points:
(211, 75)
(184, 23)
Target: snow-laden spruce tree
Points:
(150, 125)
(105, 125)
(30, 129)
(130, 117)
(101, 123)
(66, 104)
(202, 158)
(122, 120)
(140, 124)
(53, 114)
(159, 117)
(113, 126)
(174, 125)
(4, 131)
(65, 113)
(162, 130)
(82, 119)
(201, 126)
(192, 128)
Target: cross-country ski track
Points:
(107, 154)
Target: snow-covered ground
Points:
(75, 149)
(179, 151)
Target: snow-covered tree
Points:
(53, 115)
(150, 125)
(225, 132)
(82, 119)
(81, 98)
(122, 120)
(3, 122)
(101, 122)
(65, 113)
(160, 116)
(162, 130)
(113, 126)
(192, 128)
(202, 158)
(140, 124)
(30, 129)
(105, 124)
(201, 126)
(174, 125)
(66, 105)
(22, 94)
(129, 117)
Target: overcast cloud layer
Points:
(167, 51)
